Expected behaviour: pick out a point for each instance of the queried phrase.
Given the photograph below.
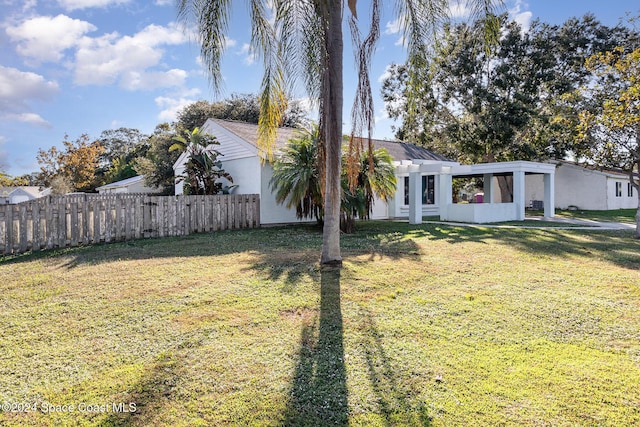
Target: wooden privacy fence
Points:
(83, 219)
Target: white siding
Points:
(231, 146)
(623, 201)
(575, 186)
(270, 211)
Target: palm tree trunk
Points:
(333, 135)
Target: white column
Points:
(445, 188)
(488, 188)
(518, 194)
(549, 195)
(415, 198)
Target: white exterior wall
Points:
(271, 212)
(587, 189)
(624, 201)
(481, 213)
(380, 210)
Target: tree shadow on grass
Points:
(318, 395)
(149, 395)
(397, 403)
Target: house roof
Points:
(122, 183)
(610, 172)
(31, 190)
(398, 150)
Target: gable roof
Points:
(30, 190)
(398, 150)
(609, 172)
(122, 183)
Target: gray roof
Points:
(31, 190)
(398, 150)
(122, 183)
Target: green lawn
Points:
(619, 215)
(425, 325)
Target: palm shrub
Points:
(297, 184)
(203, 171)
(295, 179)
(376, 177)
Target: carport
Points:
(487, 211)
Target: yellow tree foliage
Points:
(77, 163)
(613, 129)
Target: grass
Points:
(627, 216)
(425, 325)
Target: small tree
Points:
(613, 130)
(296, 181)
(295, 178)
(77, 163)
(203, 172)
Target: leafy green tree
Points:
(305, 42)
(122, 147)
(239, 107)
(512, 102)
(296, 181)
(613, 130)
(203, 170)
(157, 164)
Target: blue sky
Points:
(84, 66)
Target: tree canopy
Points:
(612, 130)
(239, 107)
(76, 164)
(513, 102)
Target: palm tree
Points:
(203, 169)
(306, 42)
(295, 179)
(376, 178)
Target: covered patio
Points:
(488, 211)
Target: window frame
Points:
(428, 188)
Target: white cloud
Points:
(458, 9)
(17, 88)
(250, 57)
(107, 59)
(45, 38)
(135, 80)
(164, 2)
(392, 27)
(395, 27)
(171, 106)
(84, 4)
(385, 75)
(29, 118)
(229, 42)
(522, 16)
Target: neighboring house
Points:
(13, 195)
(130, 185)
(585, 187)
(428, 174)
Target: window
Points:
(618, 189)
(629, 190)
(428, 190)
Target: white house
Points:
(429, 175)
(587, 188)
(13, 195)
(130, 185)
